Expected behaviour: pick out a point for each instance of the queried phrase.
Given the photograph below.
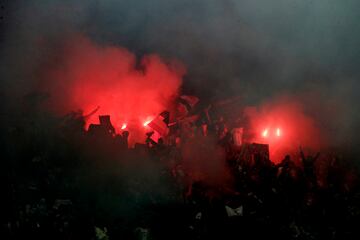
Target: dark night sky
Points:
(255, 48)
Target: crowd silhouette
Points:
(62, 182)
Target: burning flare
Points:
(278, 132)
(146, 123)
(265, 133)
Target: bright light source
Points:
(278, 132)
(265, 133)
(123, 126)
(146, 123)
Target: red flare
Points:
(278, 132)
(265, 133)
(146, 123)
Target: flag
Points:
(190, 100)
(187, 103)
(166, 116)
(233, 212)
(160, 123)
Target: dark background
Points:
(258, 49)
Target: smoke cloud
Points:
(87, 76)
(257, 49)
(285, 126)
(295, 61)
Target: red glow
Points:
(89, 75)
(267, 131)
(284, 126)
(123, 126)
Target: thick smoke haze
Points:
(284, 125)
(286, 72)
(88, 76)
(257, 49)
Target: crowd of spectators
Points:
(61, 182)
